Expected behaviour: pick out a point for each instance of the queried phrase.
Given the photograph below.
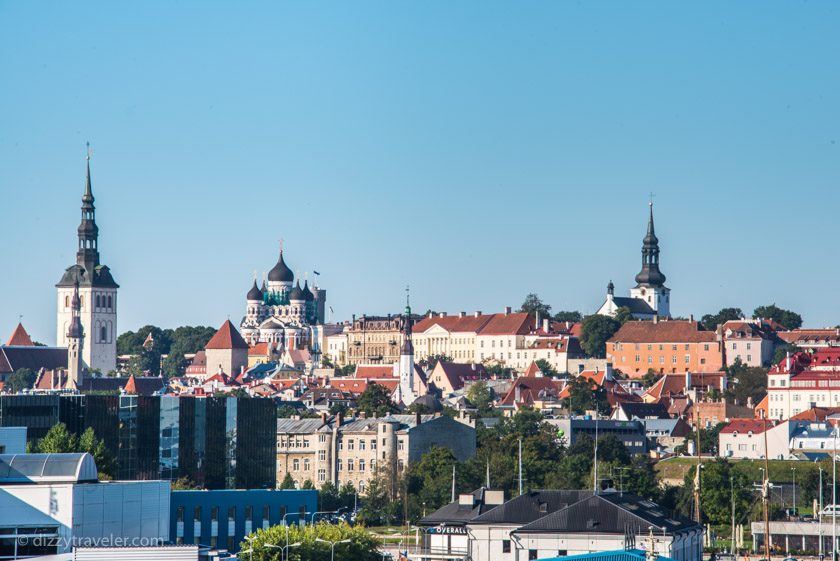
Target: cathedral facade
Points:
(87, 293)
(282, 311)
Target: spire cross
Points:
(407, 290)
(88, 151)
(651, 196)
(281, 245)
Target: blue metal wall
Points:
(279, 502)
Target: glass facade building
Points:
(165, 437)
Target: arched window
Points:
(82, 302)
(103, 334)
(110, 302)
(66, 301)
(98, 301)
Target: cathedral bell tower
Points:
(406, 364)
(91, 283)
(650, 282)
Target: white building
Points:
(744, 439)
(97, 294)
(803, 381)
(52, 502)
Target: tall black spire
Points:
(650, 275)
(88, 253)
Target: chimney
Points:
(462, 314)
(655, 318)
(442, 315)
(323, 418)
(690, 317)
(339, 419)
(517, 393)
(545, 325)
(431, 314)
(362, 415)
(507, 310)
(418, 418)
(787, 361)
(477, 313)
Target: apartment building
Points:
(664, 346)
(802, 381)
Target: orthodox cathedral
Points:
(281, 311)
(650, 297)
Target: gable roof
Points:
(639, 410)
(227, 337)
(20, 337)
(756, 426)
(456, 514)
(636, 305)
(374, 371)
(457, 373)
(517, 323)
(530, 389)
(674, 383)
(816, 414)
(34, 358)
(668, 331)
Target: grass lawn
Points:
(780, 470)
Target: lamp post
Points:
(284, 549)
(793, 469)
(286, 524)
(332, 546)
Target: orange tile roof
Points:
(517, 323)
(756, 426)
(816, 414)
(20, 337)
(374, 371)
(227, 337)
(532, 370)
(669, 331)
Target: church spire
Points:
(650, 275)
(88, 253)
(407, 346)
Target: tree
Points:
(58, 440)
(308, 484)
(374, 511)
(789, 319)
(184, 484)
(719, 486)
(623, 315)
(711, 321)
(288, 482)
(481, 396)
(782, 351)
(362, 545)
(708, 440)
(432, 360)
(339, 409)
(533, 305)
(348, 370)
(746, 383)
(584, 397)
(348, 495)
(571, 317)
(546, 368)
(595, 332)
(328, 499)
(21, 379)
(375, 400)
(650, 378)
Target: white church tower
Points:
(405, 366)
(96, 290)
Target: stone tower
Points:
(96, 290)
(75, 344)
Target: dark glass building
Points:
(165, 437)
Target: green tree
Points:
(21, 379)
(584, 397)
(708, 440)
(105, 461)
(308, 484)
(571, 317)
(640, 479)
(339, 409)
(623, 315)
(375, 400)
(746, 382)
(185, 340)
(650, 378)
(361, 544)
(432, 360)
(782, 351)
(184, 484)
(348, 495)
(546, 368)
(595, 332)
(533, 305)
(288, 482)
(719, 486)
(482, 397)
(789, 319)
(328, 498)
(58, 440)
(348, 370)
(711, 321)
(374, 511)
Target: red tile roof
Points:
(806, 336)
(816, 414)
(20, 337)
(531, 389)
(374, 371)
(260, 349)
(227, 337)
(668, 331)
(131, 385)
(745, 425)
(532, 370)
(518, 323)
(457, 373)
(674, 384)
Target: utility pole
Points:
(697, 515)
(595, 459)
(520, 466)
(793, 469)
(820, 516)
(732, 497)
(765, 492)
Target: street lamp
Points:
(286, 524)
(284, 549)
(332, 546)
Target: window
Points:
(373, 444)
(361, 444)
(361, 465)
(350, 444)
(214, 514)
(197, 514)
(249, 513)
(400, 444)
(266, 513)
(180, 515)
(103, 334)
(706, 347)
(295, 464)
(322, 475)
(306, 464)
(230, 543)
(350, 465)
(338, 465)
(532, 554)
(322, 455)
(231, 513)
(505, 546)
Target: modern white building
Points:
(54, 502)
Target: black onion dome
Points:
(75, 330)
(281, 272)
(296, 293)
(307, 294)
(255, 293)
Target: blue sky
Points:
(476, 150)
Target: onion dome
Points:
(255, 293)
(307, 294)
(281, 272)
(296, 293)
(75, 330)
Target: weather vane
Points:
(652, 195)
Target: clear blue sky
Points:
(476, 150)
